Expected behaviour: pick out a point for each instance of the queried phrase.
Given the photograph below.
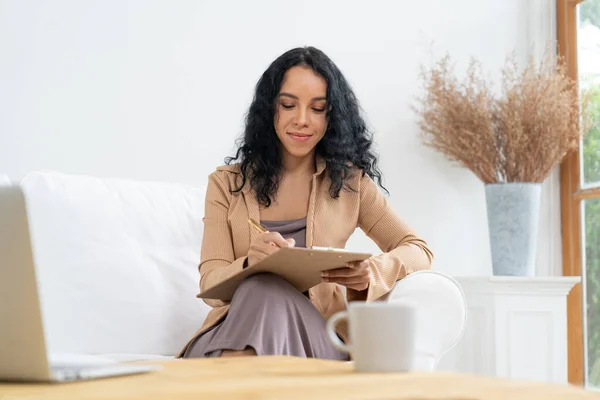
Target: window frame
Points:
(572, 196)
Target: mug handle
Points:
(333, 337)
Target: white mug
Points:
(382, 336)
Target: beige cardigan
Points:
(330, 222)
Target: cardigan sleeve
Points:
(217, 261)
(403, 250)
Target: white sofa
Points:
(117, 270)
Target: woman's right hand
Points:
(266, 244)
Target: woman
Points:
(305, 170)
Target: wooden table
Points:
(289, 378)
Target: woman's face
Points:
(301, 111)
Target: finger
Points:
(353, 280)
(267, 248)
(358, 264)
(342, 272)
(354, 274)
(263, 251)
(276, 238)
(255, 256)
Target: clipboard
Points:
(300, 266)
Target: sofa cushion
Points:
(117, 262)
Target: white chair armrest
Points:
(442, 313)
(4, 180)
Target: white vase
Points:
(513, 211)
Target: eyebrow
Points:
(296, 97)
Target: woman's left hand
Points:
(356, 276)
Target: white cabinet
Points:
(516, 328)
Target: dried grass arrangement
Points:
(517, 136)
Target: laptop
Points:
(23, 352)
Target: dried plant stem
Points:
(518, 136)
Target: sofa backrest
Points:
(116, 262)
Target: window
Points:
(579, 43)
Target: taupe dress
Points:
(269, 315)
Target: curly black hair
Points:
(347, 143)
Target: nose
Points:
(301, 118)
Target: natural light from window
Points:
(588, 60)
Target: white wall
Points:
(156, 90)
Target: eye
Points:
(287, 106)
(319, 110)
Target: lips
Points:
(299, 137)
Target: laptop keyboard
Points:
(69, 373)
(64, 373)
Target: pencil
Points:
(257, 226)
